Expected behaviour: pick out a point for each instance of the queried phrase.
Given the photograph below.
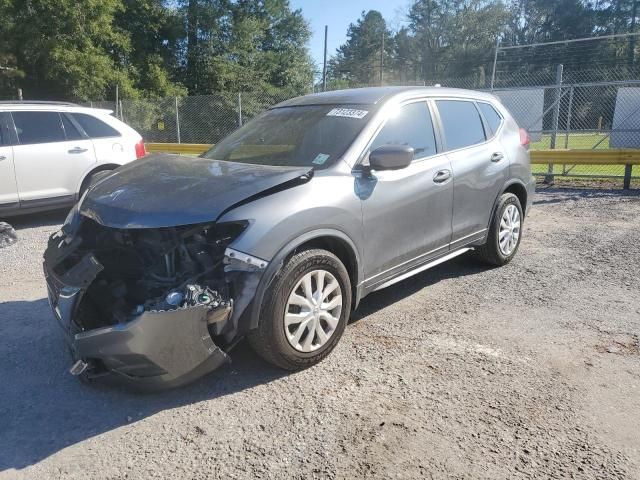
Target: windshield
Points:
(309, 135)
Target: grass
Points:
(585, 141)
(574, 141)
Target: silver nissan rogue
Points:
(278, 231)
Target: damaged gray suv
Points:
(278, 231)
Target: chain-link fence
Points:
(589, 116)
(575, 111)
(195, 119)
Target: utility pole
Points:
(382, 60)
(632, 29)
(324, 67)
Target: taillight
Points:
(525, 140)
(140, 151)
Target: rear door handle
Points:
(496, 157)
(442, 176)
(77, 150)
(2, 157)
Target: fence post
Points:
(548, 179)
(627, 177)
(239, 109)
(569, 113)
(568, 126)
(495, 63)
(177, 122)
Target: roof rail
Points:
(36, 102)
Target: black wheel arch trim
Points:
(100, 168)
(276, 263)
(508, 183)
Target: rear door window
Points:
(492, 117)
(461, 123)
(38, 127)
(411, 126)
(93, 127)
(70, 130)
(4, 137)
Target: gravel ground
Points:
(530, 370)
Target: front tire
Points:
(306, 311)
(505, 232)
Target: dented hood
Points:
(171, 190)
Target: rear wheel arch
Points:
(520, 191)
(87, 178)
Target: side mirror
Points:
(391, 157)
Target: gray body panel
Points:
(402, 214)
(406, 216)
(477, 182)
(327, 203)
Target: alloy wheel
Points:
(313, 311)
(509, 230)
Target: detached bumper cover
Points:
(154, 350)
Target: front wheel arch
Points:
(313, 239)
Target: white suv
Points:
(50, 153)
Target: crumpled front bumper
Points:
(152, 351)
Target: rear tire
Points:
(306, 310)
(505, 232)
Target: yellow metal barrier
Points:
(611, 156)
(183, 148)
(542, 157)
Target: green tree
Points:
(245, 45)
(10, 74)
(456, 38)
(68, 48)
(358, 61)
(154, 32)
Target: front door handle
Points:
(442, 176)
(2, 157)
(77, 150)
(496, 157)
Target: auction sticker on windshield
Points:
(347, 112)
(320, 159)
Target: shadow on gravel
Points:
(43, 409)
(459, 267)
(43, 219)
(562, 195)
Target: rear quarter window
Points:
(461, 123)
(492, 117)
(94, 127)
